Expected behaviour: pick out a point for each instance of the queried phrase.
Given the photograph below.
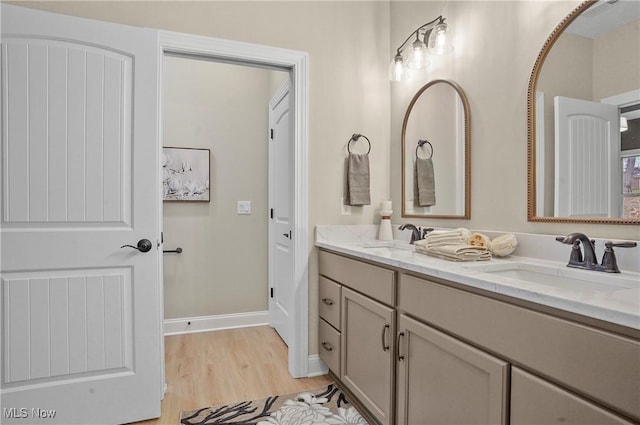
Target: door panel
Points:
(80, 318)
(281, 226)
(587, 181)
(77, 324)
(65, 155)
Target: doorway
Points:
(220, 109)
(183, 45)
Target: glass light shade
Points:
(397, 70)
(439, 42)
(624, 125)
(418, 55)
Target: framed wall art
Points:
(185, 174)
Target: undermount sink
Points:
(390, 245)
(557, 276)
(388, 248)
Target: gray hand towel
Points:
(358, 180)
(425, 183)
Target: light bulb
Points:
(397, 68)
(418, 57)
(439, 43)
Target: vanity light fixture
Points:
(431, 37)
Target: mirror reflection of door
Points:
(587, 152)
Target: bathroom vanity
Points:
(419, 340)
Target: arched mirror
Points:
(436, 137)
(584, 118)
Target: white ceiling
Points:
(605, 16)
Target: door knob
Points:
(144, 245)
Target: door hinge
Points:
(271, 213)
(271, 292)
(272, 134)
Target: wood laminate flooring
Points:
(209, 368)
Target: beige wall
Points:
(224, 108)
(496, 44)
(350, 46)
(617, 68)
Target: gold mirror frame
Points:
(531, 131)
(467, 151)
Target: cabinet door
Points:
(367, 352)
(442, 380)
(529, 393)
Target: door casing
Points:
(296, 62)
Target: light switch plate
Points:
(244, 207)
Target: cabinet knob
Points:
(327, 301)
(327, 346)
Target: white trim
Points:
(316, 366)
(190, 325)
(623, 99)
(296, 62)
(629, 98)
(540, 153)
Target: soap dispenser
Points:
(385, 233)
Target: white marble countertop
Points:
(610, 297)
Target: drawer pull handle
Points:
(327, 346)
(385, 346)
(400, 356)
(327, 301)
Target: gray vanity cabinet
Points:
(366, 329)
(442, 380)
(418, 350)
(367, 352)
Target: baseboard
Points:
(316, 367)
(188, 325)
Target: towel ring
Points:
(354, 138)
(421, 143)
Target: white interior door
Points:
(587, 159)
(281, 280)
(80, 317)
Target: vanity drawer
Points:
(329, 307)
(602, 365)
(329, 346)
(373, 281)
(529, 393)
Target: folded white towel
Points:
(442, 238)
(456, 252)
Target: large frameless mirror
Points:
(436, 141)
(584, 118)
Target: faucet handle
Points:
(610, 244)
(609, 262)
(425, 231)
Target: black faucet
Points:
(417, 233)
(590, 262)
